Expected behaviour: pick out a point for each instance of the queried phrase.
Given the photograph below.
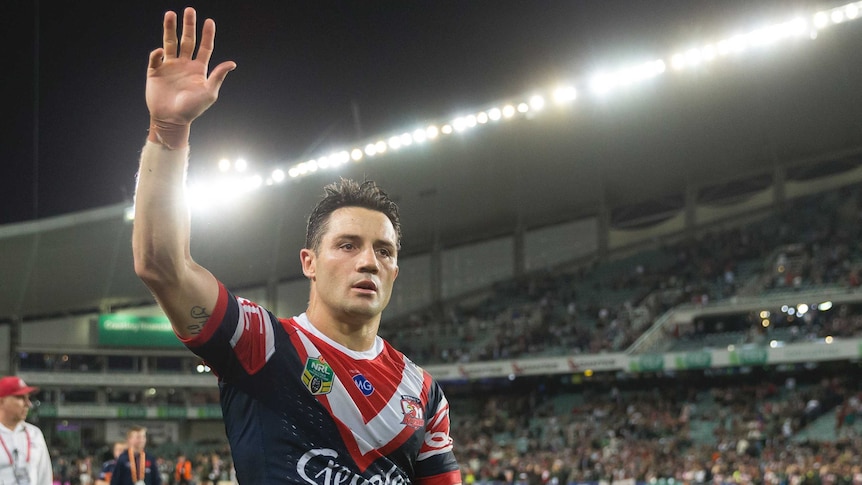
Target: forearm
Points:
(160, 237)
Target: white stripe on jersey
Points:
(254, 319)
(384, 427)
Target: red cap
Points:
(15, 386)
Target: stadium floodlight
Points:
(565, 94)
(241, 165)
(482, 118)
(356, 154)
(828, 339)
(446, 130)
(431, 132)
(494, 114)
(371, 149)
(821, 20)
(419, 135)
(381, 146)
(394, 142)
(825, 306)
(293, 172)
(406, 139)
(277, 175)
(537, 102)
(459, 124)
(224, 165)
(508, 111)
(837, 16)
(523, 107)
(470, 120)
(129, 213)
(323, 162)
(851, 11)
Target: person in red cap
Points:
(24, 458)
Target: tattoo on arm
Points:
(200, 314)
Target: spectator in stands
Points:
(182, 470)
(24, 457)
(107, 470)
(134, 467)
(288, 387)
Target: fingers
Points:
(169, 35)
(207, 41)
(156, 58)
(187, 46)
(218, 74)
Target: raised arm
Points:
(179, 89)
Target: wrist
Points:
(170, 135)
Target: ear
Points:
(307, 258)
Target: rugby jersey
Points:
(300, 408)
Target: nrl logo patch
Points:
(317, 376)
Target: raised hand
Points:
(179, 88)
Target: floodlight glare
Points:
(677, 61)
(523, 108)
(293, 172)
(394, 142)
(241, 165)
(494, 114)
(460, 124)
(565, 94)
(323, 162)
(419, 136)
(431, 132)
(356, 154)
(406, 139)
(224, 165)
(537, 102)
(277, 175)
(482, 118)
(851, 11)
(312, 165)
(508, 111)
(370, 149)
(821, 20)
(447, 129)
(837, 16)
(380, 146)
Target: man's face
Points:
(15, 408)
(137, 440)
(356, 264)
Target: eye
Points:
(347, 246)
(384, 252)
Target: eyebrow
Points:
(353, 238)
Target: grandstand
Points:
(660, 283)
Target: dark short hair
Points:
(349, 193)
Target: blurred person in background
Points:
(133, 466)
(107, 470)
(24, 456)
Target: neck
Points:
(356, 334)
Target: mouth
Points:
(365, 286)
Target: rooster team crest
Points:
(317, 376)
(414, 415)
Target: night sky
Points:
(310, 75)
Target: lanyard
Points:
(138, 477)
(6, 449)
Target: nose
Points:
(367, 261)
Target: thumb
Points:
(217, 75)
(156, 58)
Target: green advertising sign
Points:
(120, 330)
(694, 360)
(750, 356)
(647, 363)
